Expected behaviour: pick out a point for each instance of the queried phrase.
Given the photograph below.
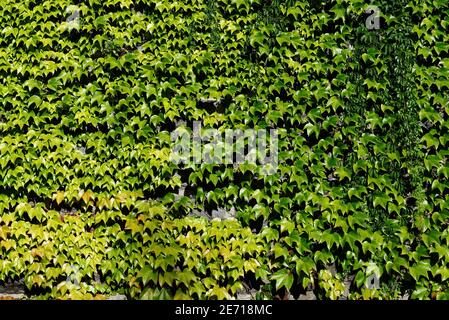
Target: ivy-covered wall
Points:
(91, 203)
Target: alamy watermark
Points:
(235, 146)
(373, 21)
(74, 19)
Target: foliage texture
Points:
(90, 203)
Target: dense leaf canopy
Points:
(90, 202)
